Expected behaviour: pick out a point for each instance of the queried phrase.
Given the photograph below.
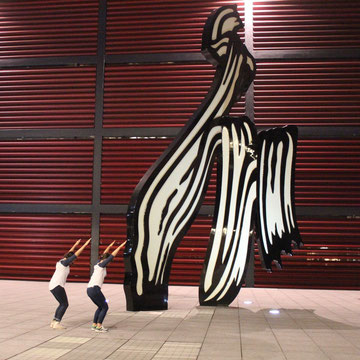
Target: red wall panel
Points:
(39, 28)
(56, 97)
(188, 260)
(31, 244)
(306, 24)
(140, 26)
(331, 251)
(124, 163)
(327, 172)
(156, 95)
(330, 258)
(46, 171)
(309, 93)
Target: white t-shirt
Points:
(99, 274)
(61, 273)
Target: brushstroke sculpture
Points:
(168, 197)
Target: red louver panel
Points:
(39, 28)
(32, 98)
(330, 258)
(156, 95)
(31, 244)
(327, 173)
(331, 251)
(189, 257)
(188, 260)
(306, 24)
(124, 163)
(113, 227)
(46, 171)
(307, 93)
(158, 26)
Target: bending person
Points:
(58, 280)
(95, 284)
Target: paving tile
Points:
(312, 324)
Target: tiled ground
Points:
(310, 325)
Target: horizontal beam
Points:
(305, 132)
(133, 59)
(317, 211)
(49, 61)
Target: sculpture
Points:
(167, 199)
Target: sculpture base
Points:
(154, 299)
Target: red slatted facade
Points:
(330, 258)
(310, 93)
(124, 163)
(189, 257)
(39, 28)
(31, 244)
(46, 171)
(56, 97)
(156, 95)
(306, 24)
(327, 172)
(56, 171)
(158, 26)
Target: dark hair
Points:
(104, 256)
(69, 254)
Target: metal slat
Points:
(51, 28)
(46, 171)
(160, 26)
(47, 98)
(309, 24)
(331, 251)
(156, 95)
(307, 93)
(37, 241)
(327, 173)
(125, 161)
(189, 257)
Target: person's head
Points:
(69, 254)
(104, 256)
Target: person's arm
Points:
(115, 252)
(68, 261)
(109, 247)
(111, 257)
(79, 251)
(75, 245)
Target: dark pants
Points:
(60, 295)
(99, 300)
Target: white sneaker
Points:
(52, 323)
(58, 326)
(101, 329)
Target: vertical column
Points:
(249, 112)
(99, 104)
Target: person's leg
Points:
(60, 295)
(104, 307)
(93, 293)
(98, 298)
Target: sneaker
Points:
(93, 327)
(52, 323)
(58, 326)
(101, 329)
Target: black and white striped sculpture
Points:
(277, 227)
(168, 197)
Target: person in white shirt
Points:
(95, 284)
(58, 280)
